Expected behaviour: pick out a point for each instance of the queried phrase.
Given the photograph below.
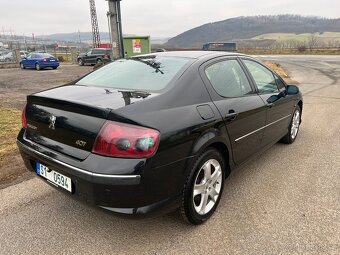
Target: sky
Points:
(158, 18)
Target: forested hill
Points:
(249, 27)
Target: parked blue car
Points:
(39, 61)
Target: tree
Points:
(313, 42)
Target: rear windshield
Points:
(148, 73)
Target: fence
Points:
(8, 56)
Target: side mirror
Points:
(292, 90)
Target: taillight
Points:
(106, 56)
(127, 141)
(44, 60)
(23, 118)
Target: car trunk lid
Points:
(67, 119)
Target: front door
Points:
(272, 91)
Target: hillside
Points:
(73, 37)
(240, 28)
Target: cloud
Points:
(152, 17)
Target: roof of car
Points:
(194, 54)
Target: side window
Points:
(97, 52)
(279, 83)
(228, 79)
(263, 78)
(29, 56)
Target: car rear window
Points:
(145, 73)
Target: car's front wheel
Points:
(80, 62)
(37, 67)
(203, 189)
(293, 127)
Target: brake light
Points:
(44, 60)
(106, 56)
(23, 118)
(126, 141)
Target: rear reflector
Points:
(117, 139)
(23, 118)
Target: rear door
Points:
(242, 110)
(279, 105)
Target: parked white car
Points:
(8, 57)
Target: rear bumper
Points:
(90, 176)
(49, 64)
(140, 190)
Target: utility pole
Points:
(115, 26)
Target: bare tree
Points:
(313, 41)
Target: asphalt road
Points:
(286, 201)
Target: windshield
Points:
(139, 73)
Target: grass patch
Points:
(10, 124)
(281, 37)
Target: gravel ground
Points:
(15, 83)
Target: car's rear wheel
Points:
(80, 62)
(22, 66)
(293, 127)
(99, 61)
(203, 188)
(37, 67)
(55, 67)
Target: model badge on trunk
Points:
(52, 122)
(80, 143)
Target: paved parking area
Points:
(287, 201)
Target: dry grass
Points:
(277, 68)
(10, 123)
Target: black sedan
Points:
(158, 131)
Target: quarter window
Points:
(228, 78)
(263, 77)
(279, 83)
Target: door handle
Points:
(231, 115)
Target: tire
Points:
(37, 67)
(99, 61)
(294, 126)
(80, 62)
(22, 66)
(197, 208)
(54, 68)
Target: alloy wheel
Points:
(207, 186)
(295, 124)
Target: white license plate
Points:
(54, 177)
(52, 60)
